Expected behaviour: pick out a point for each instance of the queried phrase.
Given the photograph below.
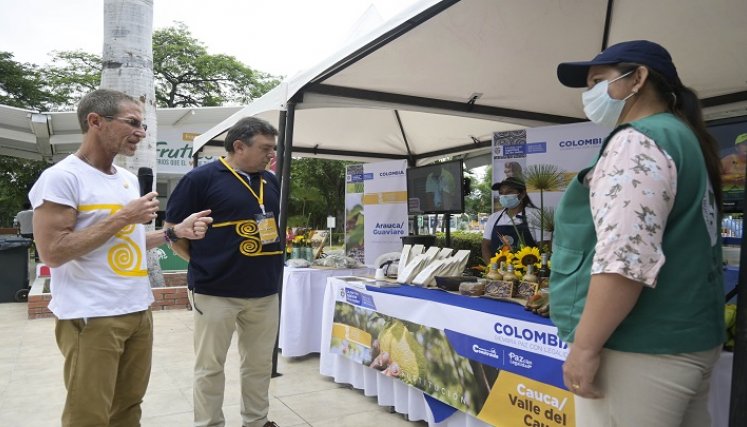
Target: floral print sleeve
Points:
(632, 190)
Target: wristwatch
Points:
(170, 234)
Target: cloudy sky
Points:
(281, 37)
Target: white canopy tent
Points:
(441, 77)
(32, 135)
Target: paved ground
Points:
(32, 392)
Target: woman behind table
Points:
(510, 225)
(636, 266)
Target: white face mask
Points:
(600, 107)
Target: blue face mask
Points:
(509, 201)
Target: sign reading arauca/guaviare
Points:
(376, 209)
(174, 151)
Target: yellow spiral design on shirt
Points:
(250, 246)
(126, 230)
(124, 258)
(247, 228)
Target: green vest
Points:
(684, 313)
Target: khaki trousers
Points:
(107, 368)
(651, 390)
(255, 321)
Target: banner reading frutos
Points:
(503, 370)
(174, 150)
(375, 209)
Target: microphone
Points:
(145, 179)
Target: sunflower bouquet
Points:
(298, 243)
(520, 259)
(535, 298)
(302, 237)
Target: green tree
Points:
(16, 178)
(317, 190)
(187, 75)
(71, 75)
(479, 200)
(19, 85)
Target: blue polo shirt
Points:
(231, 260)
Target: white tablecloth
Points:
(301, 307)
(411, 402)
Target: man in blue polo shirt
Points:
(234, 272)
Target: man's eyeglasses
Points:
(130, 121)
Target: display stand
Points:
(447, 221)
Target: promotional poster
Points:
(570, 148)
(731, 136)
(375, 209)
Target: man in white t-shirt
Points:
(88, 217)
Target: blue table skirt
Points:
(731, 276)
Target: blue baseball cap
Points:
(515, 183)
(643, 52)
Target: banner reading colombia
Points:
(505, 382)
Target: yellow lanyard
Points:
(261, 196)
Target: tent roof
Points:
(33, 135)
(494, 62)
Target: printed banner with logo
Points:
(571, 148)
(375, 209)
(174, 150)
(731, 136)
(504, 370)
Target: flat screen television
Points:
(436, 189)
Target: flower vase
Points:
(296, 252)
(309, 253)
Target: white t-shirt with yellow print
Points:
(113, 278)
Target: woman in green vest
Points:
(636, 287)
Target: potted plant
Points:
(544, 177)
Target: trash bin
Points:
(14, 267)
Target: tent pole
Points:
(285, 178)
(285, 144)
(410, 163)
(280, 152)
(607, 23)
(280, 161)
(737, 414)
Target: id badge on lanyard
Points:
(268, 229)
